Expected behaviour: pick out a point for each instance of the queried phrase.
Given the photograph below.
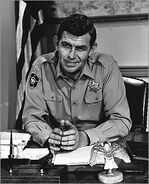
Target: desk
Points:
(87, 174)
(135, 172)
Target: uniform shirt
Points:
(96, 103)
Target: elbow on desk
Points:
(125, 128)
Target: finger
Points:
(68, 148)
(57, 131)
(68, 143)
(63, 127)
(54, 148)
(55, 137)
(52, 141)
(66, 123)
(68, 138)
(62, 123)
(69, 124)
(70, 132)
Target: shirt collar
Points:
(58, 70)
(87, 71)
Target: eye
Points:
(66, 45)
(81, 48)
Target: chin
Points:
(73, 71)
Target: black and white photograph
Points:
(74, 91)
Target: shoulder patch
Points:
(33, 80)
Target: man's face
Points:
(73, 51)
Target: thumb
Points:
(66, 123)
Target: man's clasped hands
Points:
(66, 137)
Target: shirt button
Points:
(73, 87)
(74, 120)
(74, 103)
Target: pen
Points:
(11, 153)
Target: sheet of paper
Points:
(34, 153)
(81, 156)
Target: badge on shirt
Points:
(33, 80)
(94, 86)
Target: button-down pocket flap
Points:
(93, 97)
(53, 97)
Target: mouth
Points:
(71, 63)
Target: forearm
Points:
(40, 131)
(110, 130)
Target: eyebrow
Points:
(77, 46)
(65, 42)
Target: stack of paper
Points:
(34, 153)
(19, 141)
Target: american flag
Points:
(30, 42)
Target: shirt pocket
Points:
(93, 97)
(53, 97)
(54, 103)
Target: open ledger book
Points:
(81, 156)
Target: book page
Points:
(81, 156)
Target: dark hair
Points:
(78, 25)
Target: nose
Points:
(72, 53)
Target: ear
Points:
(55, 41)
(93, 49)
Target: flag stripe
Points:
(27, 41)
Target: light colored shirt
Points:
(95, 103)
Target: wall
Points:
(126, 41)
(8, 65)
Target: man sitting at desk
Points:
(77, 89)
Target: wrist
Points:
(46, 144)
(84, 139)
